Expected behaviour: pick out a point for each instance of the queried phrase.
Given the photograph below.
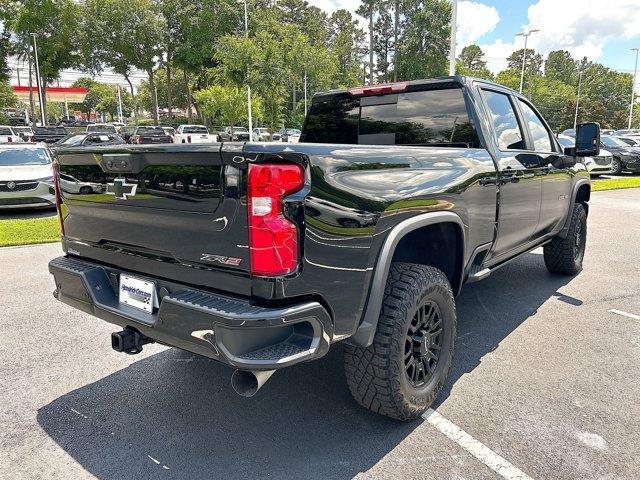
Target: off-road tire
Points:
(376, 374)
(564, 256)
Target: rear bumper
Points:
(229, 330)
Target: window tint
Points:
(505, 122)
(432, 117)
(5, 131)
(332, 121)
(195, 129)
(150, 131)
(539, 133)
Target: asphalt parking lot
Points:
(544, 374)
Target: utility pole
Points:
(43, 113)
(575, 118)
(246, 35)
(633, 87)
(305, 92)
(31, 103)
(524, 56)
(18, 72)
(120, 115)
(452, 45)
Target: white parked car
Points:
(290, 135)
(8, 135)
(194, 134)
(23, 132)
(262, 135)
(596, 166)
(71, 184)
(26, 176)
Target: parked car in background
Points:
(90, 139)
(626, 132)
(50, 134)
(169, 131)
(26, 133)
(233, 134)
(623, 154)
(607, 132)
(16, 116)
(74, 122)
(569, 132)
(145, 135)
(71, 184)
(261, 134)
(598, 165)
(631, 141)
(26, 176)
(194, 134)
(290, 135)
(8, 135)
(101, 127)
(118, 125)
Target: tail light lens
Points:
(56, 184)
(273, 239)
(9, 140)
(189, 139)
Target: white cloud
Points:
(583, 27)
(475, 19)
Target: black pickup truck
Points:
(50, 134)
(263, 255)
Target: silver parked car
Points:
(26, 176)
(596, 166)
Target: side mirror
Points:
(587, 139)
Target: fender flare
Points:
(366, 330)
(565, 229)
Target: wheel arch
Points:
(581, 194)
(411, 229)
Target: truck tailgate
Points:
(165, 211)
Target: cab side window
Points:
(505, 122)
(539, 134)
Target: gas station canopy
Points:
(53, 94)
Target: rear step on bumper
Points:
(227, 329)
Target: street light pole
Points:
(43, 113)
(575, 118)
(633, 87)
(246, 34)
(452, 45)
(524, 55)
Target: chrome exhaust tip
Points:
(247, 382)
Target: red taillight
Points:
(273, 239)
(380, 89)
(9, 140)
(189, 139)
(56, 185)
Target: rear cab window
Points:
(435, 117)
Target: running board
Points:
(479, 275)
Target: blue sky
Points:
(604, 31)
(606, 45)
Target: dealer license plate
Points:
(138, 293)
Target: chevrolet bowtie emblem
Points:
(121, 189)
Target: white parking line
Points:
(480, 451)
(625, 314)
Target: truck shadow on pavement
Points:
(175, 415)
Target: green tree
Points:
(533, 62)
(423, 45)
(345, 44)
(7, 97)
(124, 36)
(561, 66)
(368, 10)
(383, 45)
(471, 62)
(178, 93)
(226, 104)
